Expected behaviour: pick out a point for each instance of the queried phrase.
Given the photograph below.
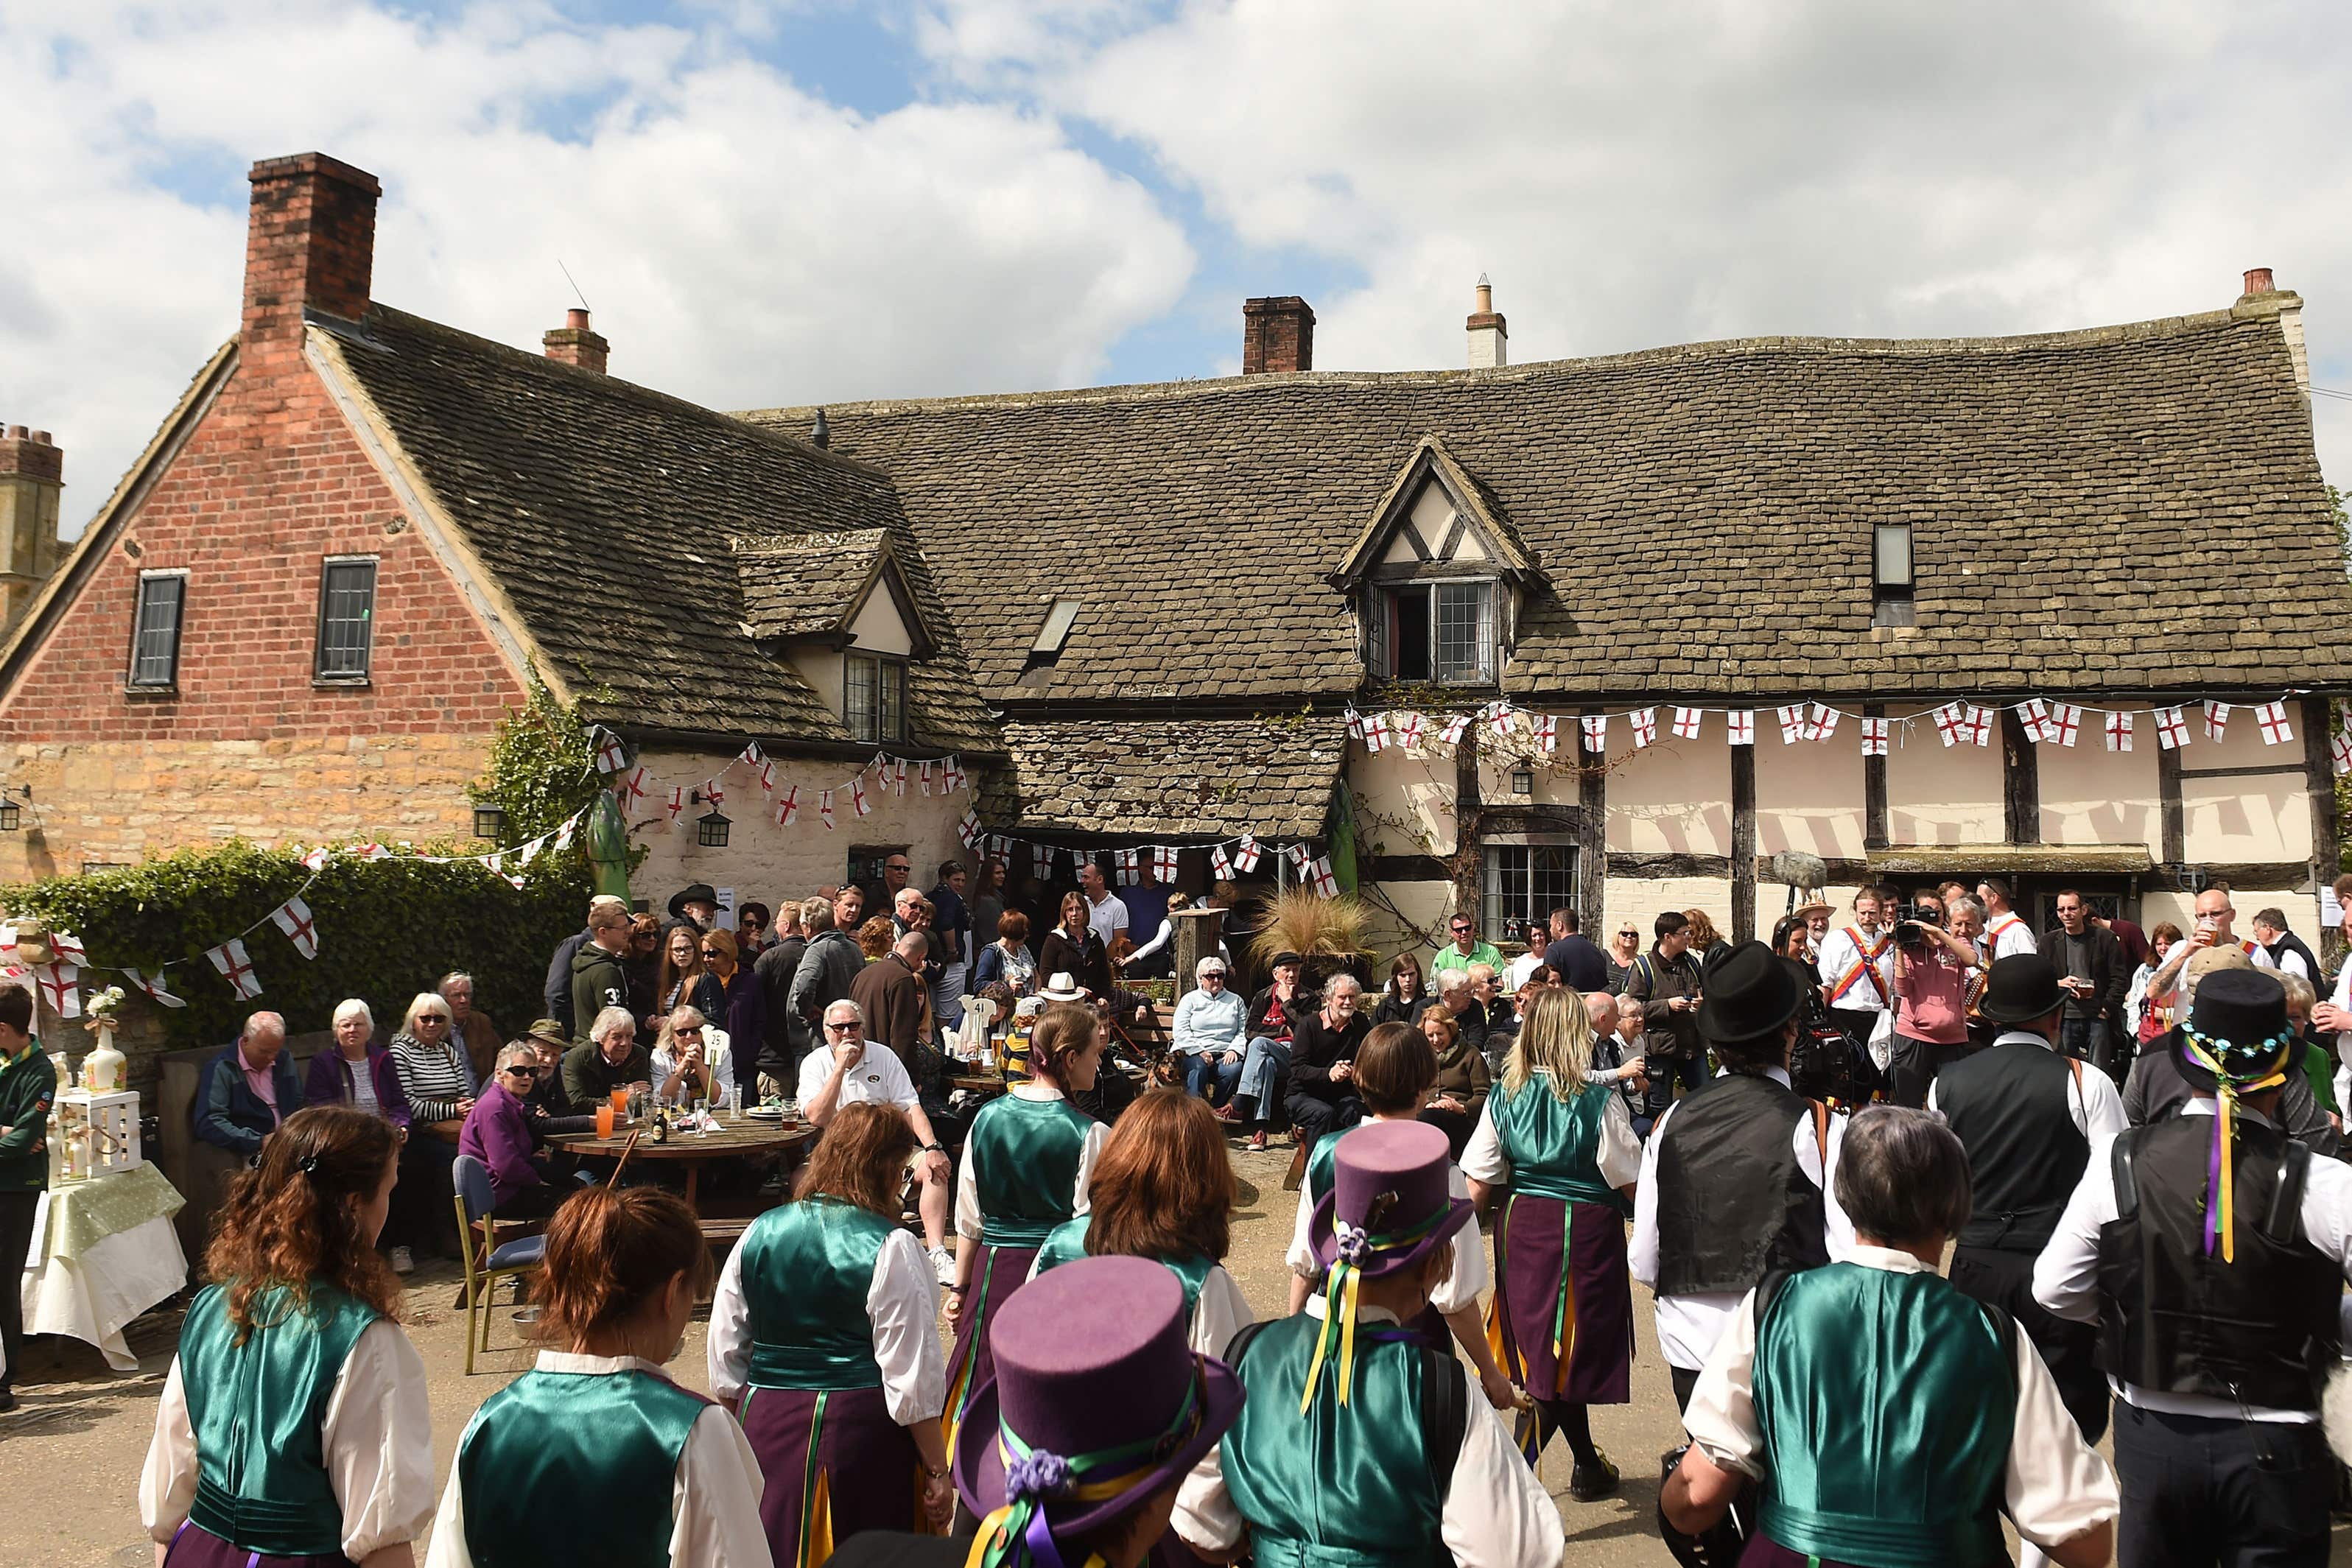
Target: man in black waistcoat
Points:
(2027, 1116)
(1736, 1176)
(2217, 1299)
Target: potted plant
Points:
(1326, 933)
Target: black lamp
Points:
(1523, 781)
(9, 816)
(489, 823)
(710, 831)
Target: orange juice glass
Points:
(603, 1120)
(620, 1102)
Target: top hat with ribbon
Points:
(1391, 1203)
(2237, 1041)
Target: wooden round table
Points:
(736, 1137)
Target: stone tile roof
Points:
(804, 585)
(610, 516)
(1173, 778)
(2128, 509)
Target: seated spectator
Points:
(1502, 1017)
(692, 1061)
(434, 1072)
(1459, 999)
(1007, 961)
(247, 1088)
(1323, 1096)
(1406, 996)
(611, 1059)
(1210, 1032)
(1458, 1096)
(551, 1108)
(359, 1073)
(499, 1132)
(473, 1031)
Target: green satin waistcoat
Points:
(1554, 1144)
(575, 1468)
(1067, 1244)
(1870, 1464)
(808, 1268)
(256, 1410)
(1347, 1486)
(1027, 1153)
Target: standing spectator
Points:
(358, 1073)
(828, 968)
(641, 967)
(557, 993)
(1515, 974)
(1623, 948)
(1813, 915)
(1007, 961)
(609, 1059)
(2156, 1091)
(1106, 917)
(1581, 966)
(27, 1085)
(2148, 1012)
(1155, 959)
(597, 980)
(1706, 943)
(881, 895)
(1076, 949)
(752, 937)
(2092, 972)
(875, 936)
(439, 1081)
(499, 1132)
(952, 934)
(988, 906)
(1666, 983)
(1933, 969)
(1406, 996)
(2215, 930)
(890, 997)
(2287, 953)
(2006, 934)
(1857, 966)
(1465, 949)
(1210, 1033)
(1274, 1015)
(1499, 1012)
(686, 979)
(2333, 1017)
(1323, 1095)
(744, 1010)
(2128, 934)
(696, 905)
(475, 1035)
(784, 1035)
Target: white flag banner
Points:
(1596, 732)
(56, 984)
(857, 796)
(676, 805)
(66, 948)
(1951, 728)
(2034, 716)
(2064, 724)
(1793, 723)
(1687, 723)
(1246, 856)
(825, 809)
(153, 986)
(1326, 883)
(230, 959)
(1873, 737)
(610, 755)
(1376, 733)
(2272, 719)
(1411, 732)
(1128, 874)
(293, 917)
(1645, 726)
(1824, 722)
(1742, 724)
(2217, 719)
(1546, 730)
(2171, 728)
(1979, 723)
(1221, 864)
(1355, 724)
(750, 756)
(923, 777)
(2119, 732)
(2339, 752)
(1163, 863)
(1500, 716)
(1456, 728)
(968, 830)
(788, 806)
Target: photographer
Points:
(1933, 969)
(1666, 981)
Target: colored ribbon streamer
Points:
(1020, 1533)
(2220, 1219)
(1342, 1291)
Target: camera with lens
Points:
(1912, 933)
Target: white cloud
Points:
(743, 240)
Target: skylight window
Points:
(1056, 630)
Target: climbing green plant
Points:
(543, 766)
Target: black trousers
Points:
(2069, 1349)
(16, 1212)
(1911, 1070)
(2199, 1492)
(1311, 1118)
(1684, 1380)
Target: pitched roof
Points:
(1173, 777)
(2088, 507)
(1432, 463)
(807, 585)
(611, 518)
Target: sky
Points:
(818, 200)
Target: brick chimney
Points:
(309, 245)
(574, 344)
(1277, 336)
(1490, 340)
(2262, 298)
(31, 477)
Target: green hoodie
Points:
(27, 1085)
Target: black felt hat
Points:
(2021, 988)
(2239, 1022)
(1750, 992)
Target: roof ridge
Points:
(1721, 348)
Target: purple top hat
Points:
(1392, 1201)
(1097, 1405)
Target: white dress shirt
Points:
(902, 1303)
(2006, 936)
(714, 1499)
(2092, 1098)
(1495, 1515)
(878, 1077)
(376, 1438)
(1688, 1326)
(1461, 1287)
(1619, 1154)
(2054, 1487)
(2066, 1275)
(969, 1221)
(1838, 955)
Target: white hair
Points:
(256, 1023)
(353, 1008)
(451, 979)
(516, 1050)
(427, 1002)
(1211, 965)
(610, 1019)
(1349, 981)
(1452, 980)
(854, 1010)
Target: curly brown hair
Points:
(1163, 1185)
(862, 1159)
(292, 1220)
(874, 937)
(1065, 1031)
(607, 1252)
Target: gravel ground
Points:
(79, 1436)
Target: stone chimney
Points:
(1277, 336)
(2264, 296)
(31, 477)
(574, 344)
(309, 246)
(1490, 340)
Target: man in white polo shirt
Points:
(1105, 913)
(2006, 933)
(848, 1069)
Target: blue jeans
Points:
(1202, 1067)
(1265, 1066)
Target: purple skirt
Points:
(834, 1463)
(1561, 1278)
(197, 1547)
(1001, 1272)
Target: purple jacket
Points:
(498, 1132)
(330, 1082)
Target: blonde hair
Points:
(428, 1002)
(1555, 1039)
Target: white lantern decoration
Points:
(93, 1134)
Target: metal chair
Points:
(486, 1259)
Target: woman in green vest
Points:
(1025, 1169)
(1860, 1468)
(824, 1340)
(1564, 1153)
(1163, 1188)
(594, 1456)
(293, 1427)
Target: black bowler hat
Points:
(2021, 988)
(1750, 992)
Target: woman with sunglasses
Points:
(499, 1132)
(692, 1061)
(1623, 949)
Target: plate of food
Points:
(765, 1113)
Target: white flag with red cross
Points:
(676, 805)
(713, 794)
(66, 949)
(1951, 726)
(968, 830)
(788, 806)
(750, 756)
(1221, 864)
(1376, 733)
(154, 986)
(1739, 724)
(825, 809)
(2339, 752)
(898, 779)
(2272, 719)
(1823, 723)
(2064, 724)
(2119, 732)
(2171, 728)
(2217, 719)
(1300, 858)
(1980, 726)
(767, 779)
(1128, 874)
(1546, 730)
(1793, 723)
(318, 858)
(56, 982)
(1456, 728)
(923, 777)
(1645, 726)
(230, 959)
(1355, 724)
(1873, 737)
(293, 917)
(1326, 883)
(1410, 733)
(635, 783)
(567, 828)
(1163, 863)
(857, 796)
(1595, 727)
(2033, 717)
(1245, 854)
(956, 777)
(610, 755)
(1499, 717)
(1687, 723)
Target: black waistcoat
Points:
(1732, 1202)
(2262, 1330)
(2010, 1106)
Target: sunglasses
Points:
(710, 952)
(685, 1034)
(522, 1072)
(843, 1027)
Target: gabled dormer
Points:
(838, 606)
(1437, 577)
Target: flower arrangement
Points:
(104, 1006)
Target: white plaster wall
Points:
(1672, 796)
(877, 628)
(822, 670)
(2244, 818)
(770, 863)
(2093, 796)
(1640, 902)
(1405, 800)
(1424, 907)
(1938, 794)
(1809, 795)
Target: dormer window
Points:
(1890, 576)
(874, 697)
(1442, 631)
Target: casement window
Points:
(1524, 883)
(874, 697)
(346, 618)
(155, 630)
(1441, 632)
(1890, 576)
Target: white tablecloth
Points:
(94, 1297)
